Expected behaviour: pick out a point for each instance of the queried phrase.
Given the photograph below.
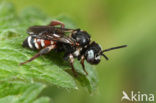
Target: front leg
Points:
(83, 66)
(71, 60)
(42, 52)
(54, 23)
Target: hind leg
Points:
(54, 23)
(41, 52)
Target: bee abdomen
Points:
(34, 43)
(28, 42)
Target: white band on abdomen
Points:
(42, 43)
(36, 45)
(29, 42)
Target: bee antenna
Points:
(105, 56)
(118, 47)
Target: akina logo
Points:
(137, 96)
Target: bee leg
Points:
(54, 23)
(83, 66)
(71, 60)
(42, 52)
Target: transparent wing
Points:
(51, 33)
(35, 30)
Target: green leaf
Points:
(20, 92)
(9, 99)
(38, 70)
(24, 83)
(90, 81)
(42, 100)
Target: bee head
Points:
(81, 37)
(94, 52)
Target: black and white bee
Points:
(76, 44)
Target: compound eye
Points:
(90, 55)
(91, 58)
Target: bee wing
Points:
(66, 40)
(51, 33)
(55, 37)
(35, 30)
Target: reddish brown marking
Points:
(47, 43)
(77, 44)
(54, 23)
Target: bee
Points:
(76, 44)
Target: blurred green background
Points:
(110, 23)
